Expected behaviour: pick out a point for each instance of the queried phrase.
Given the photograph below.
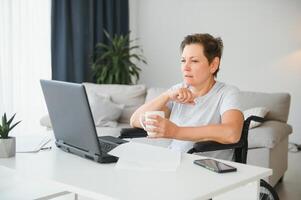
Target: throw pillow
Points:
(258, 111)
(131, 96)
(104, 111)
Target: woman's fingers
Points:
(180, 95)
(191, 102)
(185, 96)
(162, 128)
(154, 129)
(152, 123)
(185, 93)
(159, 132)
(189, 97)
(155, 117)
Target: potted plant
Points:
(7, 144)
(115, 63)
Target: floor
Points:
(290, 187)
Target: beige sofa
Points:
(268, 143)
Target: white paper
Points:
(29, 143)
(138, 156)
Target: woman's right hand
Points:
(182, 95)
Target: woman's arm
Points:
(181, 95)
(159, 103)
(229, 131)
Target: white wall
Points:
(262, 42)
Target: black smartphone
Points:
(215, 165)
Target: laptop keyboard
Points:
(106, 147)
(107, 143)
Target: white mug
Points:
(145, 117)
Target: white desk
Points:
(103, 181)
(14, 187)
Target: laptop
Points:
(73, 123)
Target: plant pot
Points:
(7, 147)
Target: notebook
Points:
(73, 123)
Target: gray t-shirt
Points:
(208, 109)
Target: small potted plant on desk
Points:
(7, 144)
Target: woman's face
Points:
(195, 66)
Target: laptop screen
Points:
(70, 115)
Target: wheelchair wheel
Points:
(267, 192)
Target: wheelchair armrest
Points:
(255, 118)
(213, 146)
(132, 133)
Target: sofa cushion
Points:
(131, 96)
(104, 111)
(277, 103)
(104, 131)
(268, 134)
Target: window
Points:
(25, 57)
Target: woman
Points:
(200, 108)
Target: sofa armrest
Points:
(268, 134)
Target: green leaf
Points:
(4, 119)
(11, 119)
(107, 35)
(112, 64)
(102, 46)
(135, 56)
(14, 125)
(134, 47)
(104, 56)
(110, 80)
(5, 127)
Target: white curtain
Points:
(25, 57)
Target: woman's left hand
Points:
(163, 127)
